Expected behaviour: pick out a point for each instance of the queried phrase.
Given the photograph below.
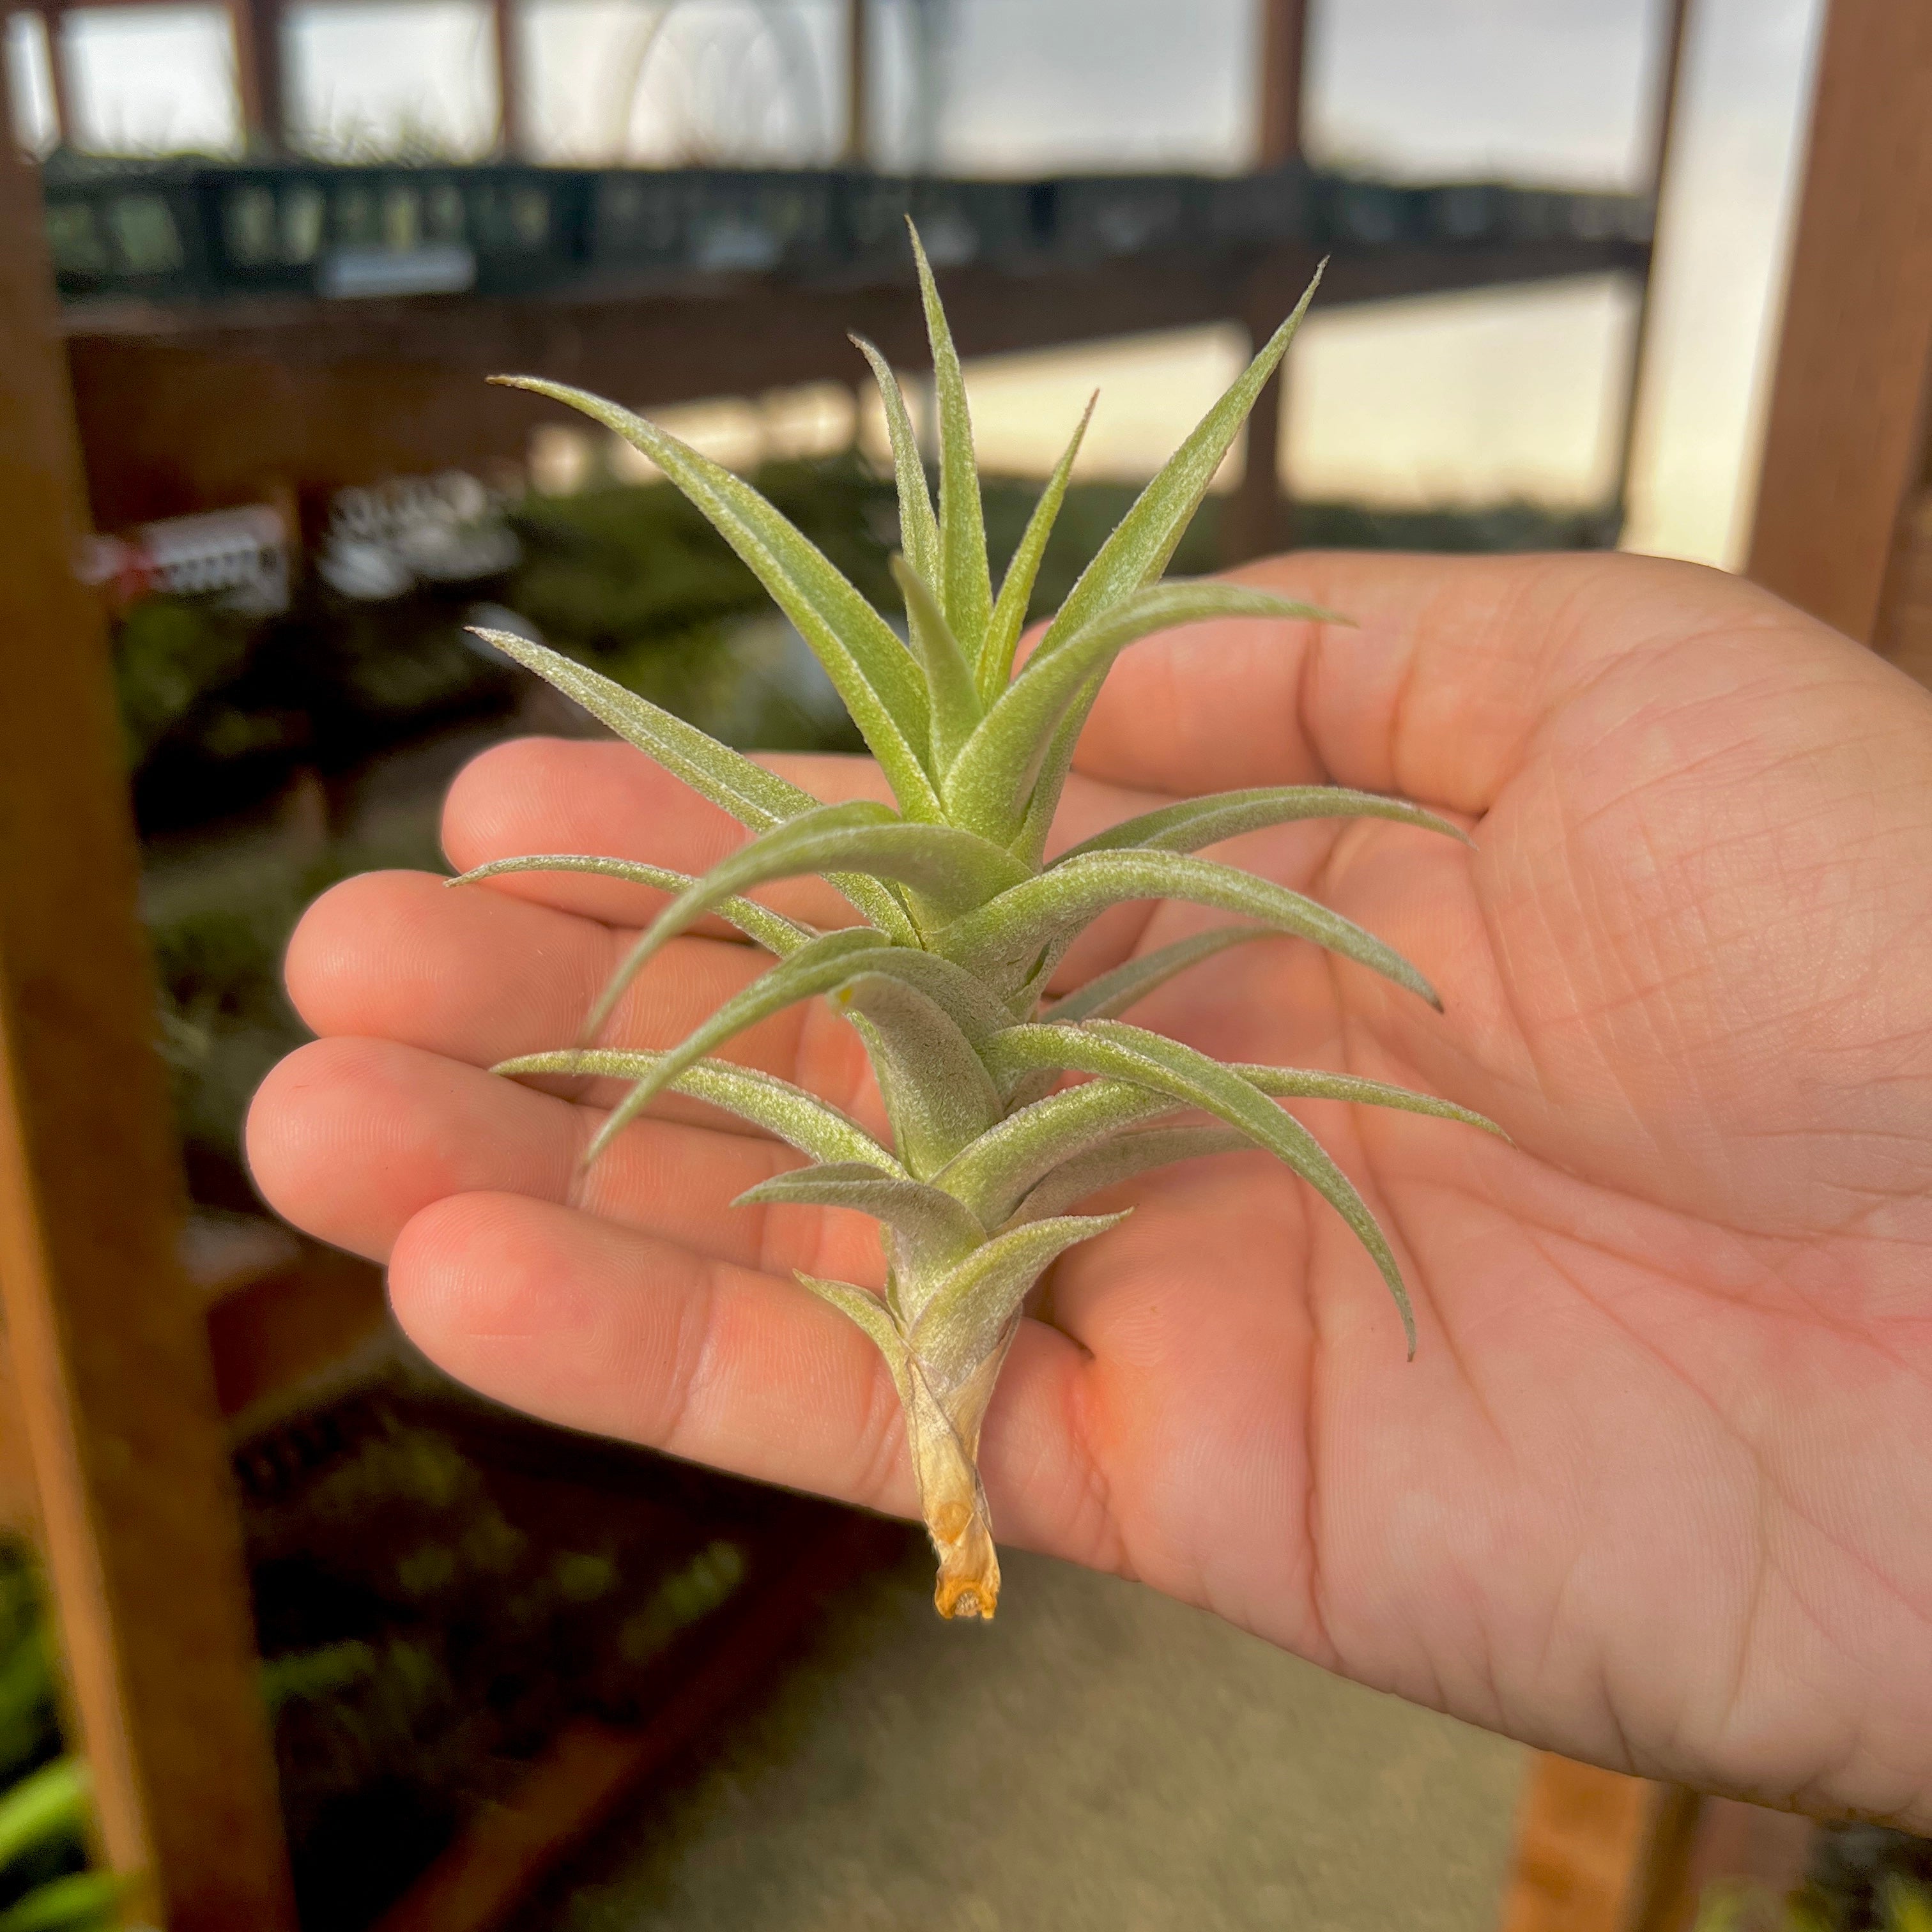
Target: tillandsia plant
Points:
(962, 922)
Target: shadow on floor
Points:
(1100, 1757)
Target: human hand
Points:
(1657, 1490)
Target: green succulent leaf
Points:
(958, 1326)
(995, 1174)
(937, 1090)
(871, 1315)
(965, 585)
(1107, 995)
(933, 1231)
(919, 529)
(868, 666)
(950, 869)
(1006, 751)
(753, 796)
(50, 1804)
(1122, 1052)
(1036, 823)
(821, 966)
(772, 930)
(786, 1112)
(1196, 822)
(84, 1901)
(1295, 1083)
(1121, 1160)
(1138, 550)
(1015, 597)
(950, 689)
(756, 798)
(1003, 938)
(815, 967)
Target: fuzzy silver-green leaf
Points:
(1005, 752)
(803, 1120)
(1016, 587)
(1002, 938)
(955, 1331)
(1132, 1054)
(772, 930)
(919, 529)
(868, 665)
(1196, 822)
(964, 586)
(950, 691)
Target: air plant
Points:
(962, 922)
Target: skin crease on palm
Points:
(1657, 1490)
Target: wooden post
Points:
(60, 76)
(1284, 57)
(1852, 391)
(109, 1345)
(858, 83)
(510, 129)
(260, 74)
(1676, 31)
(1257, 519)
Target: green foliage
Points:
(167, 652)
(964, 924)
(44, 1795)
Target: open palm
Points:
(1657, 1490)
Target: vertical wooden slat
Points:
(109, 1346)
(1581, 1833)
(1903, 632)
(1850, 399)
(1670, 76)
(260, 74)
(60, 76)
(858, 83)
(1257, 518)
(1284, 56)
(511, 132)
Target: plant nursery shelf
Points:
(190, 406)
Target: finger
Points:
(604, 1328)
(1434, 693)
(478, 976)
(351, 1138)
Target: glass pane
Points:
(373, 82)
(154, 80)
(30, 84)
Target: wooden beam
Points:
(260, 74)
(1850, 399)
(1581, 1833)
(858, 147)
(108, 1346)
(1284, 62)
(1903, 632)
(1258, 521)
(511, 131)
(1669, 87)
(182, 410)
(62, 78)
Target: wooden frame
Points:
(105, 1339)
(1845, 463)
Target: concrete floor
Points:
(1101, 1757)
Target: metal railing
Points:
(201, 231)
